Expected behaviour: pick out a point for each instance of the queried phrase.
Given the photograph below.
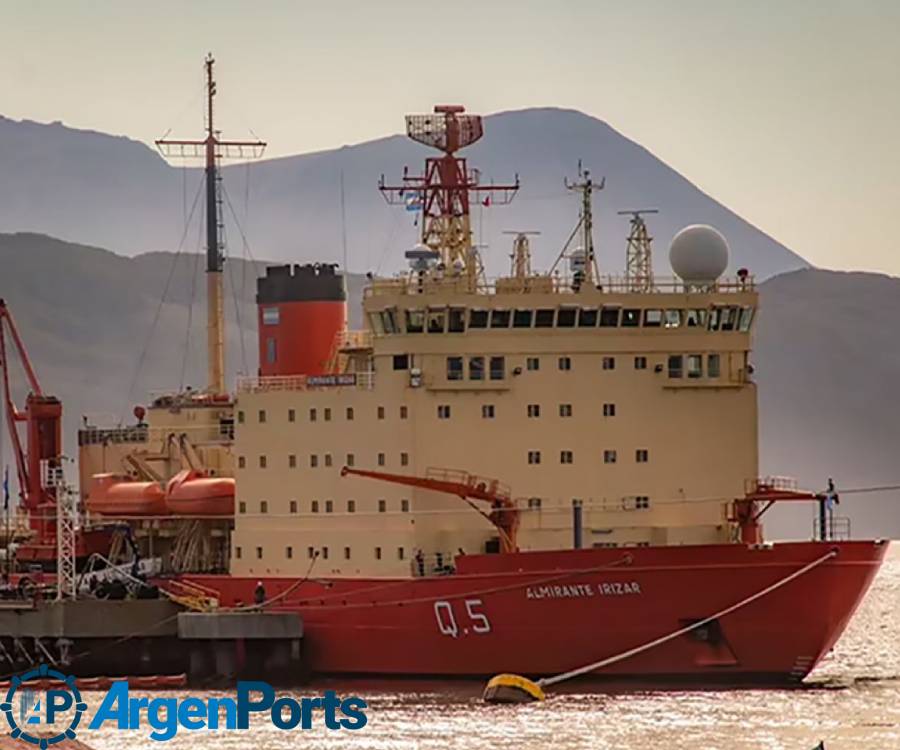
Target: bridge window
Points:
(498, 368)
(454, 368)
(436, 320)
(456, 320)
(714, 317)
(478, 318)
(565, 318)
(415, 321)
(746, 319)
(729, 319)
(544, 319)
(631, 318)
(695, 318)
(694, 365)
(500, 318)
(673, 318)
(609, 317)
(653, 318)
(270, 316)
(587, 317)
(389, 321)
(676, 364)
(522, 318)
(476, 368)
(375, 323)
(712, 365)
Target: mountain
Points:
(827, 356)
(110, 191)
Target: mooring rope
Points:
(687, 629)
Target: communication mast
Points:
(444, 191)
(639, 254)
(521, 255)
(586, 186)
(213, 148)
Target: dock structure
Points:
(91, 637)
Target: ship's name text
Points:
(577, 590)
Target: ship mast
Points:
(586, 186)
(213, 148)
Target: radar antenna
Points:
(639, 254)
(213, 148)
(444, 191)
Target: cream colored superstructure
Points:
(599, 414)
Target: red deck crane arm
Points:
(504, 514)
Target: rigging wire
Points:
(190, 317)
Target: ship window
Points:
(378, 553)
(714, 318)
(609, 456)
(712, 366)
(242, 507)
(565, 363)
(499, 318)
(478, 318)
(401, 361)
(487, 411)
(324, 553)
(694, 365)
(259, 553)
(565, 318)
(314, 508)
(415, 321)
(391, 324)
(534, 502)
(436, 319)
(454, 368)
(631, 318)
(328, 459)
(271, 350)
(403, 412)
(237, 553)
(327, 414)
(262, 462)
(522, 318)
(240, 417)
(404, 459)
(653, 318)
(498, 368)
(587, 317)
(443, 411)
(672, 318)
(729, 318)
(313, 461)
(544, 319)
(292, 415)
(292, 461)
(534, 457)
(263, 506)
(293, 506)
(695, 318)
(609, 410)
(346, 553)
(566, 457)
(351, 459)
(533, 410)
(310, 552)
(262, 416)
(349, 413)
(746, 319)
(242, 462)
(351, 506)
(400, 553)
(565, 410)
(404, 506)
(456, 320)
(329, 506)
(375, 323)
(642, 455)
(476, 368)
(382, 506)
(640, 363)
(312, 415)
(609, 317)
(609, 363)
(381, 459)
(289, 552)
(270, 316)
(533, 364)
(676, 363)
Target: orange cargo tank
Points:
(194, 493)
(119, 495)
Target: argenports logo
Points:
(44, 707)
(54, 713)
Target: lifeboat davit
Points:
(195, 493)
(119, 495)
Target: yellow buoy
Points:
(512, 688)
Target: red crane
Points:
(762, 494)
(503, 514)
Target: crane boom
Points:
(503, 514)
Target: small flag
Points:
(413, 202)
(486, 202)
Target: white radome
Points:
(699, 254)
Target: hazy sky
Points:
(788, 112)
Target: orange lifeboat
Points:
(118, 495)
(194, 493)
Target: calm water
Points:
(852, 701)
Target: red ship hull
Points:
(543, 613)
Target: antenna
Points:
(586, 186)
(444, 191)
(521, 254)
(638, 253)
(213, 148)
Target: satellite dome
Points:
(699, 254)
